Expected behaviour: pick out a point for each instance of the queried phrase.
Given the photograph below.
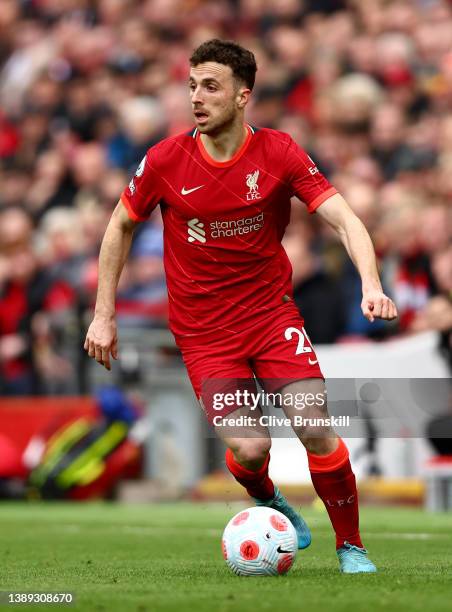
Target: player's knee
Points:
(320, 444)
(312, 423)
(251, 453)
(315, 434)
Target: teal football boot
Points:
(354, 560)
(280, 503)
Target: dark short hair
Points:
(241, 61)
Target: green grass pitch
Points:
(168, 558)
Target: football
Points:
(259, 541)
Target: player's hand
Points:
(377, 305)
(102, 340)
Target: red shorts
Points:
(276, 351)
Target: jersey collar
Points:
(229, 162)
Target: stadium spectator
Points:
(316, 293)
(27, 295)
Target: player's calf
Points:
(247, 459)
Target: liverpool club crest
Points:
(253, 187)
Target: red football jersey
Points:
(223, 225)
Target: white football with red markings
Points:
(259, 541)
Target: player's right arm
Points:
(137, 202)
(102, 337)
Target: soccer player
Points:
(224, 189)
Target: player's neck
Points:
(223, 146)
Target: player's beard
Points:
(221, 124)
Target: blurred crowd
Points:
(86, 87)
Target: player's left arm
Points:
(354, 236)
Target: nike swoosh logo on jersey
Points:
(313, 361)
(187, 191)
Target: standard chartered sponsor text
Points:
(236, 227)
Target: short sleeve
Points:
(143, 193)
(305, 179)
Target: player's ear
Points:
(243, 95)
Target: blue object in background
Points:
(115, 406)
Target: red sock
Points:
(257, 483)
(335, 483)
